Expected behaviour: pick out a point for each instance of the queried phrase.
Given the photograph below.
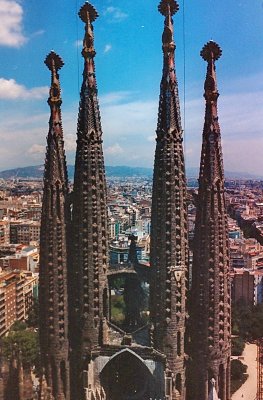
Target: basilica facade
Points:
(183, 351)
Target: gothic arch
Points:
(178, 383)
(221, 381)
(179, 343)
(126, 377)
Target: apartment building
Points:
(24, 232)
(4, 232)
(16, 297)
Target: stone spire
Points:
(169, 244)
(53, 253)
(89, 218)
(210, 299)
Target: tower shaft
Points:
(89, 218)
(169, 245)
(210, 299)
(53, 293)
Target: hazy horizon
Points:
(192, 170)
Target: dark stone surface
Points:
(53, 294)
(210, 323)
(169, 242)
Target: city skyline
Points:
(128, 62)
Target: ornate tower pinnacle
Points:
(89, 217)
(169, 244)
(88, 14)
(210, 299)
(211, 52)
(168, 8)
(54, 63)
(53, 253)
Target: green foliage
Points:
(118, 283)
(238, 369)
(18, 326)
(238, 375)
(247, 231)
(235, 328)
(238, 346)
(33, 315)
(247, 321)
(23, 341)
(117, 309)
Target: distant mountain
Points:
(242, 175)
(36, 172)
(193, 172)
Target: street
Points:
(248, 390)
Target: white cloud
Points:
(129, 125)
(115, 97)
(240, 112)
(128, 122)
(23, 135)
(11, 29)
(243, 155)
(131, 121)
(107, 48)
(115, 14)
(19, 134)
(114, 150)
(70, 142)
(36, 149)
(40, 32)
(11, 90)
(129, 117)
(78, 43)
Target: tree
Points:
(18, 326)
(33, 315)
(247, 321)
(237, 369)
(238, 346)
(23, 341)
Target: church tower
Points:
(89, 244)
(169, 241)
(53, 295)
(210, 298)
(106, 361)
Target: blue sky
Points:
(129, 66)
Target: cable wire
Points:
(184, 75)
(77, 42)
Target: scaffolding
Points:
(260, 369)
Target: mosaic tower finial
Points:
(168, 7)
(211, 51)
